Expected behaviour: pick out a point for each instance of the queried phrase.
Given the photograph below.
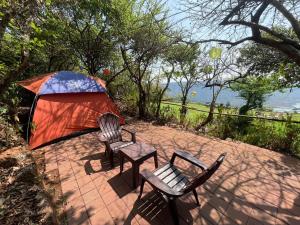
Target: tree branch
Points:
(220, 41)
(289, 16)
(114, 76)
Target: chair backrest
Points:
(110, 127)
(206, 174)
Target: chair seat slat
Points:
(181, 185)
(162, 169)
(121, 145)
(171, 176)
(166, 173)
(176, 180)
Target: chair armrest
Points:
(133, 137)
(129, 131)
(188, 157)
(103, 138)
(158, 184)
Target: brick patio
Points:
(253, 186)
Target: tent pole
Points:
(29, 119)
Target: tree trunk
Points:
(157, 113)
(212, 107)
(244, 122)
(245, 108)
(210, 116)
(142, 102)
(183, 109)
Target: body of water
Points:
(286, 101)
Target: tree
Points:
(212, 77)
(18, 39)
(142, 43)
(162, 85)
(251, 20)
(17, 19)
(169, 62)
(87, 30)
(52, 53)
(220, 71)
(188, 71)
(263, 60)
(254, 91)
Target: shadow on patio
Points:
(253, 185)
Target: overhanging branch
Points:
(220, 41)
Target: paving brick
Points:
(119, 212)
(90, 195)
(109, 197)
(76, 203)
(87, 187)
(83, 180)
(78, 217)
(102, 217)
(71, 195)
(69, 186)
(92, 207)
(211, 214)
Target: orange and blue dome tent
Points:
(65, 102)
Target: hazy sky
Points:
(180, 19)
(176, 14)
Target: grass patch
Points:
(193, 115)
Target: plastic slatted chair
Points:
(111, 135)
(171, 183)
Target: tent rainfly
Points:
(65, 102)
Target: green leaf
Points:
(37, 29)
(215, 53)
(48, 2)
(207, 69)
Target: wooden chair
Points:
(171, 183)
(111, 135)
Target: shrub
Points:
(167, 115)
(9, 135)
(278, 136)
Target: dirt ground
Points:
(27, 194)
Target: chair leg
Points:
(121, 159)
(141, 188)
(111, 159)
(173, 208)
(196, 197)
